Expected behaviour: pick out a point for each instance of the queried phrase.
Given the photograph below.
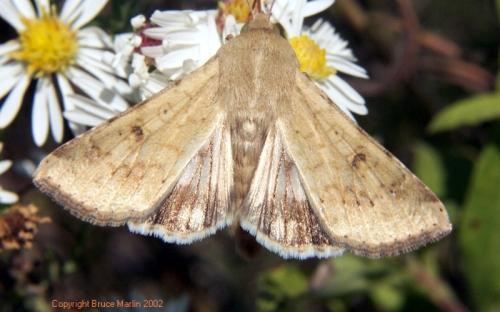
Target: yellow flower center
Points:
(47, 45)
(311, 57)
(237, 8)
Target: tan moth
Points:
(246, 139)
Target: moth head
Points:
(258, 21)
(261, 21)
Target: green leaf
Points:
(429, 167)
(498, 9)
(468, 112)
(498, 73)
(291, 280)
(480, 231)
(349, 277)
(387, 297)
(354, 275)
(276, 288)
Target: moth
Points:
(246, 139)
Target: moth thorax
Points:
(249, 129)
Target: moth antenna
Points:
(271, 8)
(256, 7)
(270, 12)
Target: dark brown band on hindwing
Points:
(277, 211)
(199, 203)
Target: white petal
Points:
(13, 102)
(10, 74)
(347, 67)
(153, 51)
(86, 105)
(66, 90)
(93, 59)
(88, 10)
(314, 7)
(180, 37)
(345, 88)
(25, 8)
(5, 165)
(92, 42)
(298, 18)
(10, 14)
(156, 82)
(56, 120)
(212, 38)
(110, 81)
(341, 100)
(9, 46)
(231, 27)
(40, 113)
(7, 197)
(69, 10)
(95, 54)
(344, 54)
(94, 37)
(159, 33)
(82, 118)
(333, 97)
(88, 112)
(42, 6)
(175, 17)
(124, 40)
(138, 21)
(175, 59)
(96, 90)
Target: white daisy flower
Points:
(142, 75)
(92, 113)
(169, 46)
(62, 57)
(182, 42)
(189, 39)
(6, 197)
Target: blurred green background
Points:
(434, 101)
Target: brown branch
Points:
(320, 276)
(445, 63)
(354, 14)
(467, 75)
(405, 63)
(435, 288)
(360, 21)
(427, 39)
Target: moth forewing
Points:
(199, 203)
(123, 169)
(365, 199)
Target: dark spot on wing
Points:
(360, 157)
(93, 152)
(138, 133)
